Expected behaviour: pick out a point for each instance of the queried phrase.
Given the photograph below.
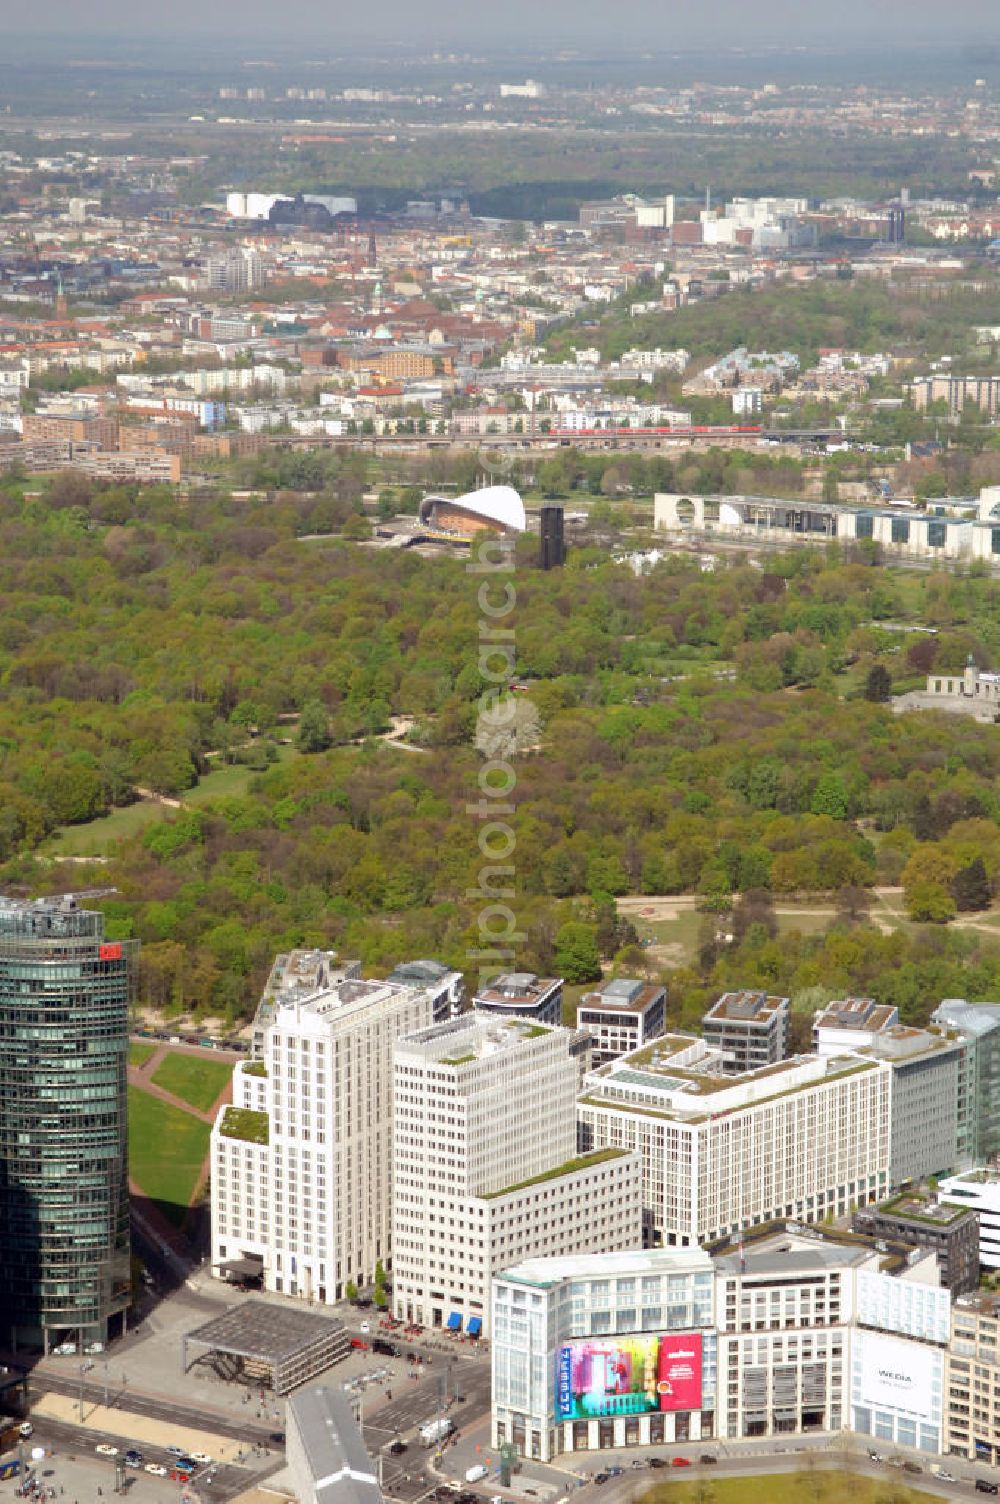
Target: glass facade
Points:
(64, 1212)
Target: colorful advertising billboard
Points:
(628, 1375)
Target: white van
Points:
(473, 1474)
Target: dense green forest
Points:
(715, 733)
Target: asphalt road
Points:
(461, 1388)
(157, 1407)
(217, 1483)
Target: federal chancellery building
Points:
(963, 528)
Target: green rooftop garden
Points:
(580, 1162)
(255, 1068)
(240, 1122)
(914, 1209)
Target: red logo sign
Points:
(679, 1385)
(111, 952)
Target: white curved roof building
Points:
(493, 509)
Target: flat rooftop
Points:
(912, 1207)
(517, 989)
(552, 1271)
(423, 973)
(854, 1013)
(746, 1007)
(339, 996)
(786, 1254)
(470, 1038)
(270, 1333)
(679, 1074)
(984, 1176)
(901, 1043)
(982, 1302)
(623, 995)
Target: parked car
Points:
(25, 1429)
(105, 1449)
(657, 1462)
(912, 1467)
(397, 1449)
(133, 1458)
(984, 1486)
(157, 1469)
(203, 1458)
(681, 1462)
(707, 1457)
(175, 1451)
(603, 1478)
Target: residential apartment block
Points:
(485, 1166)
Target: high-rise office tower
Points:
(64, 1214)
(485, 1165)
(553, 546)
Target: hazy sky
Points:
(618, 24)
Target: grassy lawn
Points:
(98, 836)
(224, 781)
(227, 780)
(138, 1054)
(167, 1150)
(193, 1079)
(818, 1486)
(680, 934)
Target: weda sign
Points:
(628, 1375)
(896, 1375)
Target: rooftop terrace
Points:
(470, 1038)
(679, 1075)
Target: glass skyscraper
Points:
(64, 1212)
